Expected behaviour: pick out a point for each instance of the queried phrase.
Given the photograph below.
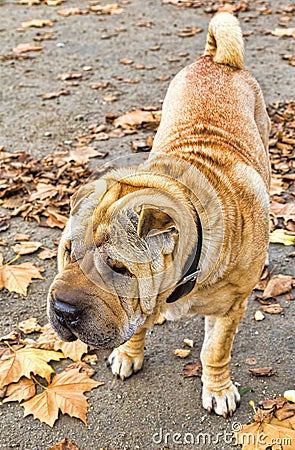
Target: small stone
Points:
(258, 316)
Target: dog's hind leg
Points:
(219, 393)
(128, 357)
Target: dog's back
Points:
(222, 100)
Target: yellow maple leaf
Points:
(260, 436)
(273, 427)
(281, 236)
(16, 278)
(73, 350)
(49, 340)
(25, 361)
(65, 393)
(22, 390)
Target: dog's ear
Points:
(153, 221)
(98, 188)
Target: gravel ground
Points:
(138, 413)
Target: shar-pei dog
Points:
(184, 233)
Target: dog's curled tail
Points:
(225, 40)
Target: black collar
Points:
(188, 281)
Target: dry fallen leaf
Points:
(112, 8)
(30, 47)
(22, 237)
(47, 253)
(16, 278)
(29, 326)
(273, 427)
(281, 236)
(65, 393)
(65, 444)
(190, 31)
(71, 11)
(69, 76)
(274, 308)
(82, 367)
(262, 371)
(192, 370)
(26, 247)
(284, 32)
(50, 341)
(277, 285)
(57, 94)
(37, 23)
(181, 352)
(25, 361)
(73, 350)
(137, 118)
(22, 390)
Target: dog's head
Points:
(119, 257)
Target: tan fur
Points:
(131, 233)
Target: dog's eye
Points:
(67, 251)
(118, 267)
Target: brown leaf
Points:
(126, 62)
(29, 325)
(73, 350)
(43, 191)
(181, 352)
(273, 403)
(269, 432)
(25, 248)
(22, 390)
(54, 219)
(192, 370)
(276, 185)
(16, 278)
(30, 47)
(50, 341)
(275, 308)
(21, 237)
(69, 76)
(277, 285)
(65, 444)
(3, 243)
(82, 367)
(284, 32)
(138, 118)
(263, 371)
(110, 98)
(100, 85)
(47, 253)
(190, 31)
(4, 225)
(65, 393)
(37, 23)
(52, 95)
(25, 361)
(72, 11)
(112, 8)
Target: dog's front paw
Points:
(223, 402)
(123, 364)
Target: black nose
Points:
(66, 314)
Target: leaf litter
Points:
(24, 364)
(273, 426)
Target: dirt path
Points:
(138, 413)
